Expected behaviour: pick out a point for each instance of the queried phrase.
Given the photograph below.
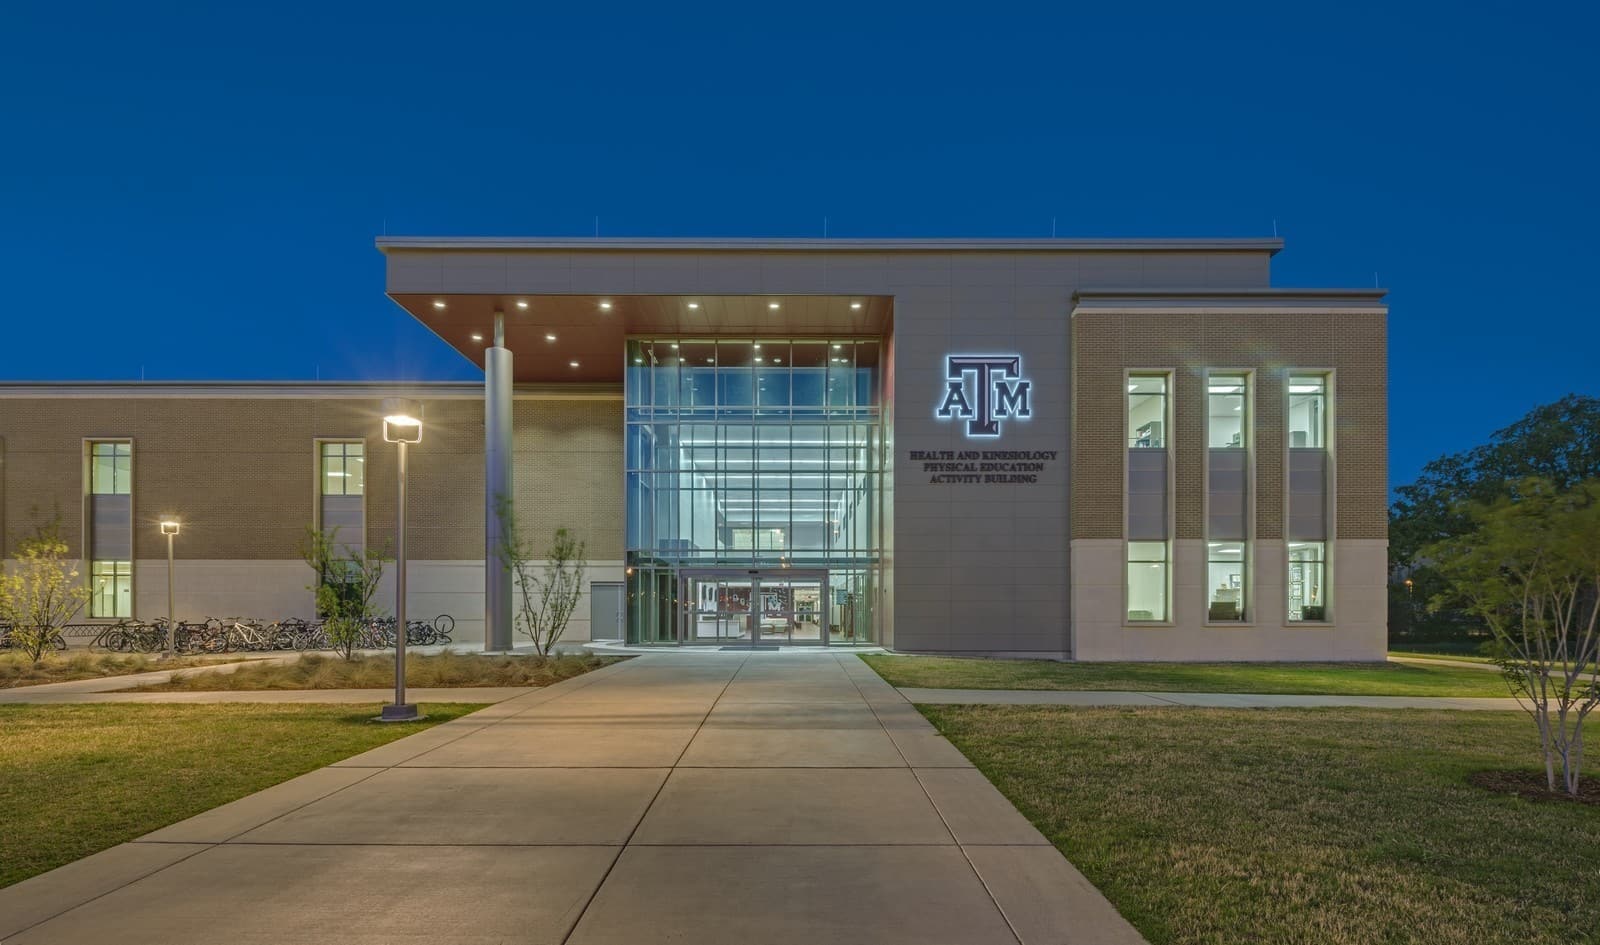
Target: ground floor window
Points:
(1308, 580)
(1226, 574)
(111, 587)
(1147, 581)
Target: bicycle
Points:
(57, 641)
(252, 636)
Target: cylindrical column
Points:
(172, 613)
(400, 589)
(497, 492)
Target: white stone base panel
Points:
(1358, 608)
(273, 590)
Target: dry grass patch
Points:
(17, 670)
(1314, 826)
(442, 670)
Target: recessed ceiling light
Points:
(573, 363)
(477, 337)
(855, 304)
(549, 337)
(772, 305)
(758, 346)
(694, 304)
(837, 347)
(758, 359)
(635, 361)
(606, 306)
(674, 346)
(522, 303)
(438, 303)
(777, 360)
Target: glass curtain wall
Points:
(753, 454)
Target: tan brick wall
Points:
(1353, 345)
(241, 472)
(568, 472)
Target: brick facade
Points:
(1271, 343)
(241, 472)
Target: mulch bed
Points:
(1531, 785)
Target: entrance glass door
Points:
(791, 610)
(752, 607)
(718, 610)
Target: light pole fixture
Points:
(402, 425)
(169, 528)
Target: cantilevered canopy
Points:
(591, 329)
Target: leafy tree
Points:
(545, 603)
(1556, 443)
(346, 582)
(41, 592)
(1529, 569)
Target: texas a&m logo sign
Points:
(984, 389)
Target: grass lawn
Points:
(1319, 826)
(17, 670)
(448, 669)
(1364, 679)
(77, 779)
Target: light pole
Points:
(169, 528)
(402, 425)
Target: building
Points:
(1094, 449)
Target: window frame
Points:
(1168, 377)
(1329, 541)
(1247, 420)
(1167, 618)
(322, 460)
(89, 457)
(1326, 376)
(1246, 561)
(119, 578)
(1325, 560)
(316, 479)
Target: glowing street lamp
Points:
(169, 528)
(402, 425)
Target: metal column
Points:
(497, 609)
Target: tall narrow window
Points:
(1147, 411)
(111, 589)
(111, 467)
(1308, 573)
(344, 469)
(342, 482)
(1147, 581)
(109, 529)
(1308, 410)
(1225, 411)
(1225, 576)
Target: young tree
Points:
(41, 591)
(545, 603)
(1529, 568)
(345, 583)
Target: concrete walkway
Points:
(706, 798)
(1453, 664)
(1214, 700)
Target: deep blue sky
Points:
(192, 191)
